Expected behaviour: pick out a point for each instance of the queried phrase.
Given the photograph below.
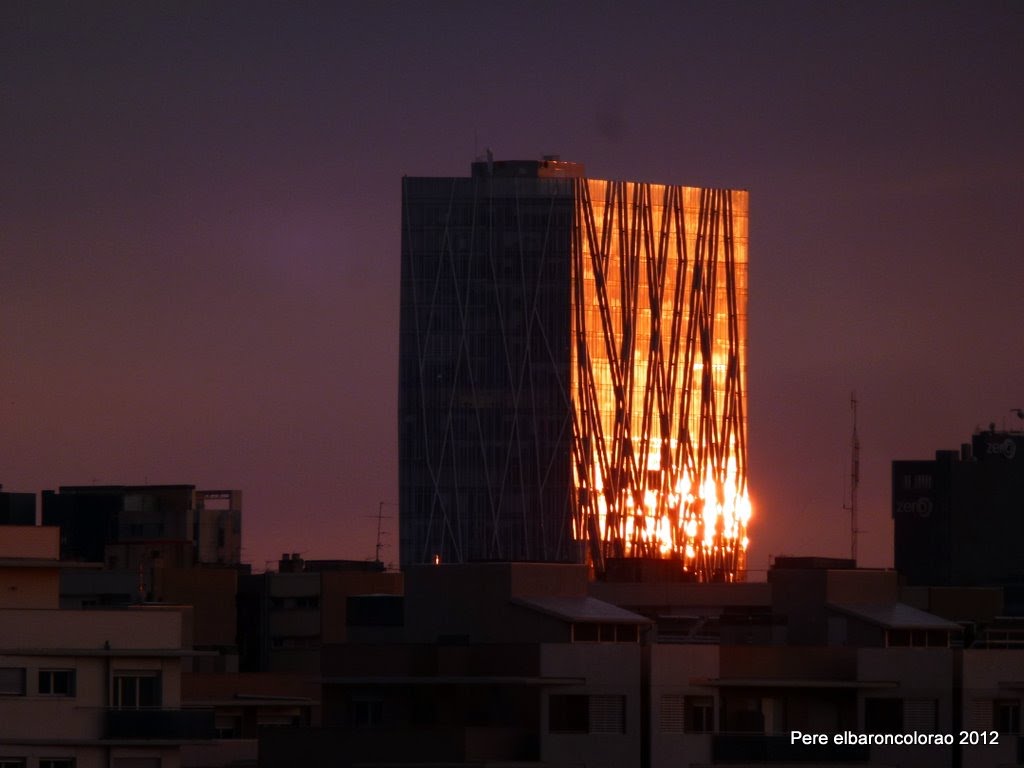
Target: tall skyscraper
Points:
(572, 372)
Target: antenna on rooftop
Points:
(380, 531)
(854, 480)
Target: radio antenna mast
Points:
(854, 480)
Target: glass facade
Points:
(659, 374)
(572, 372)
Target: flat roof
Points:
(46, 562)
(794, 682)
(452, 680)
(107, 652)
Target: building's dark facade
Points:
(959, 519)
(88, 520)
(123, 525)
(572, 372)
(17, 508)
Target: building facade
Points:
(572, 373)
(957, 518)
(87, 688)
(125, 526)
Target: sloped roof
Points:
(581, 609)
(896, 616)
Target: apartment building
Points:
(86, 688)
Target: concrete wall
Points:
(787, 662)
(30, 541)
(604, 669)
(635, 595)
(81, 716)
(914, 675)
(93, 757)
(148, 628)
(29, 587)
(211, 592)
(337, 586)
(475, 600)
(862, 586)
(990, 676)
(678, 670)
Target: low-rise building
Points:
(86, 688)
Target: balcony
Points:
(729, 748)
(160, 724)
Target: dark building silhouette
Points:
(17, 508)
(959, 518)
(285, 618)
(125, 525)
(87, 520)
(572, 372)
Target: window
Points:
(367, 714)
(57, 682)
(228, 725)
(700, 714)
(883, 715)
(920, 715)
(671, 717)
(136, 762)
(627, 633)
(607, 714)
(12, 762)
(586, 714)
(917, 638)
(12, 683)
(1006, 715)
(135, 690)
(277, 718)
(585, 633)
(568, 714)
(56, 762)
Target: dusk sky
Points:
(200, 235)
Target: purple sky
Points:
(199, 230)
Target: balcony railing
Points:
(160, 724)
(757, 748)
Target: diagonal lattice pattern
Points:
(659, 374)
(573, 372)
